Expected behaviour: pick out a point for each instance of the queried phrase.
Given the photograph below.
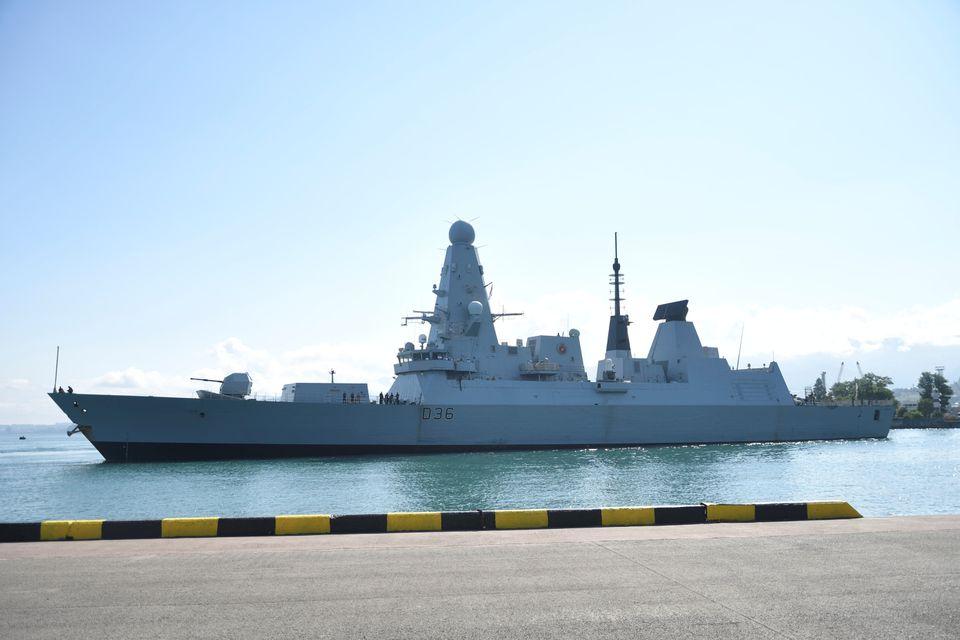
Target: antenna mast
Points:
(617, 336)
(740, 348)
(56, 370)
(616, 277)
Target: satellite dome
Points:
(461, 232)
(475, 308)
(574, 333)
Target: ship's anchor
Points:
(77, 429)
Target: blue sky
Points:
(188, 188)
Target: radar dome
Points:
(461, 232)
(475, 308)
(574, 333)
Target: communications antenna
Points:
(618, 338)
(56, 370)
(740, 348)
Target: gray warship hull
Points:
(139, 428)
(464, 389)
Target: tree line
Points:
(869, 388)
(935, 393)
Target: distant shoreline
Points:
(33, 427)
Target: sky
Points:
(189, 189)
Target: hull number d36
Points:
(436, 413)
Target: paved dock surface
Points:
(871, 578)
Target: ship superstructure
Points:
(461, 388)
(462, 361)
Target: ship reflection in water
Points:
(911, 472)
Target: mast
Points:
(616, 277)
(56, 370)
(617, 338)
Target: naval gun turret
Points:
(234, 385)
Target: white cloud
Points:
(130, 378)
(15, 384)
(234, 354)
(844, 331)
(361, 363)
(352, 362)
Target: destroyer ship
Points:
(462, 389)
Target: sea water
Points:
(51, 476)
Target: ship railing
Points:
(264, 397)
(833, 402)
(422, 355)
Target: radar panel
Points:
(672, 311)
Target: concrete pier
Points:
(869, 578)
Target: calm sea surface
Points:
(51, 476)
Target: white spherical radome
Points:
(475, 308)
(461, 233)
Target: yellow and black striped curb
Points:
(422, 521)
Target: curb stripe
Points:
(188, 527)
(461, 520)
(626, 516)
(71, 529)
(301, 525)
(414, 521)
(831, 509)
(693, 514)
(359, 523)
(422, 521)
(731, 512)
(565, 518)
(19, 531)
(521, 519)
(131, 529)
(246, 527)
(781, 511)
